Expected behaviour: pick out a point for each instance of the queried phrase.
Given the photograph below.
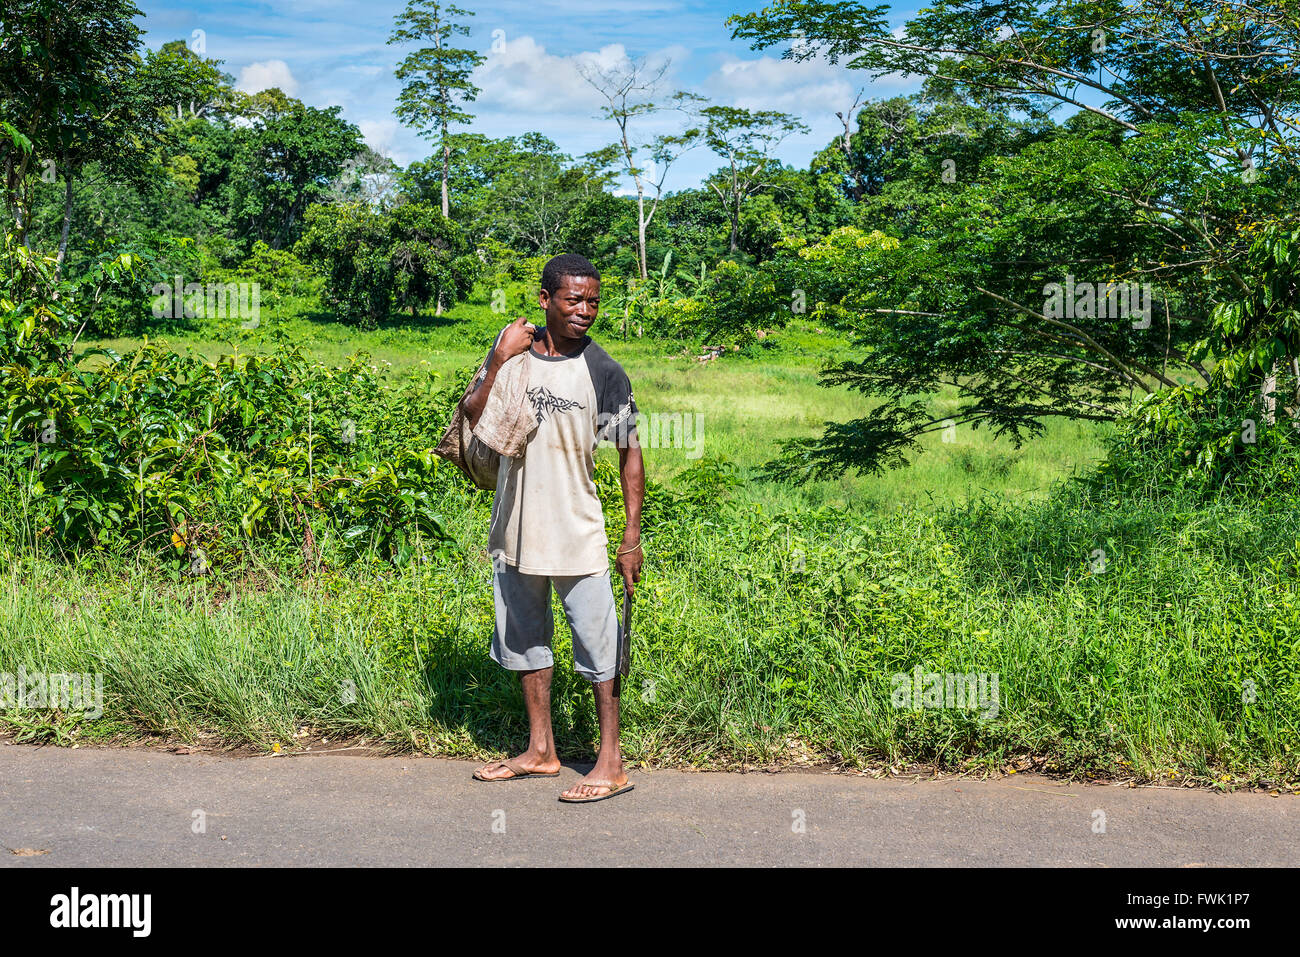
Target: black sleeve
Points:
(616, 412)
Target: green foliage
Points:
(992, 204)
(61, 98)
(738, 301)
(514, 281)
(278, 270)
(436, 77)
(41, 314)
(705, 488)
(281, 277)
(286, 155)
(519, 192)
(163, 452)
(1205, 443)
(376, 261)
(728, 305)
(767, 638)
(744, 139)
(1260, 330)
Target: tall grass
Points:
(759, 639)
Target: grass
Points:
(772, 628)
(748, 404)
(761, 640)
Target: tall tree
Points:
(128, 141)
(60, 66)
(629, 90)
(435, 79)
(745, 139)
(74, 90)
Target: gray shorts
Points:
(525, 625)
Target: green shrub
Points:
(279, 272)
(729, 307)
(374, 262)
(1204, 443)
(158, 451)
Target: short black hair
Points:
(566, 264)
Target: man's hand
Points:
(516, 339)
(628, 563)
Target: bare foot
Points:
(529, 761)
(599, 781)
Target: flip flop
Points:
(599, 797)
(516, 772)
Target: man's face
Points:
(572, 309)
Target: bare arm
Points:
(631, 475)
(515, 339)
(473, 407)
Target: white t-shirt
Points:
(546, 516)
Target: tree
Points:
(209, 90)
(745, 139)
(126, 141)
(287, 155)
(932, 284)
(1183, 145)
(691, 224)
(623, 87)
(435, 79)
(73, 91)
(375, 261)
(846, 141)
(520, 191)
(57, 63)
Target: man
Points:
(547, 524)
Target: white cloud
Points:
(804, 89)
(263, 76)
(519, 75)
(379, 135)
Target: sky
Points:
(335, 53)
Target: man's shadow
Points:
(469, 692)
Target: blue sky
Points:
(334, 52)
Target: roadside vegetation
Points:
(889, 454)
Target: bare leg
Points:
(540, 755)
(608, 771)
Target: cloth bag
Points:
(504, 427)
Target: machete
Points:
(624, 644)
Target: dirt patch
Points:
(800, 760)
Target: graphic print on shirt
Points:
(544, 401)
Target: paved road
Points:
(112, 807)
